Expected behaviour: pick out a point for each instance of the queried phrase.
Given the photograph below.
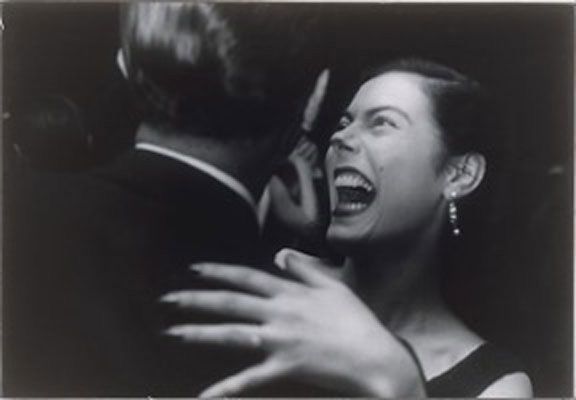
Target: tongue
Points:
(352, 195)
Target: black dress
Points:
(472, 375)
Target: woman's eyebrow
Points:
(397, 110)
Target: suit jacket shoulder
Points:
(86, 257)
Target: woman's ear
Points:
(464, 175)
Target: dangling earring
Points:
(453, 215)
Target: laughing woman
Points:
(407, 149)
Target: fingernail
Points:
(170, 298)
(280, 259)
(169, 332)
(197, 268)
(173, 331)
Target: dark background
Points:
(514, 281)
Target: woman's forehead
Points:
(402, 90)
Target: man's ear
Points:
(315, 101)
(464, 174)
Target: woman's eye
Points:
(382, 121)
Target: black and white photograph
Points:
(287, 199)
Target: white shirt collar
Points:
(226, 179)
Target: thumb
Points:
(311, 270)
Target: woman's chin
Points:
(343, 239)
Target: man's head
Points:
(226, 71)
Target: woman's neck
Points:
(401, 287)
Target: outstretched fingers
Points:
(228, 335)
(244, 278)
(221, 302)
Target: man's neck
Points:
(230, 157)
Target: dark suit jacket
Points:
(86, 257)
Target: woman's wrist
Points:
(392, 376)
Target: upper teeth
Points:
(350, 179)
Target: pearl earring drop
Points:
(453, 214)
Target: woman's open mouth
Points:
(354, 191)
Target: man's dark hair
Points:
(222, 69)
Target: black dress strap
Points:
(471, 376)
(414, 356)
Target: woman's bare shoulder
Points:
(444, 345)
(517, 385)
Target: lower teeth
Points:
(353, 206)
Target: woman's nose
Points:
(344, 141)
